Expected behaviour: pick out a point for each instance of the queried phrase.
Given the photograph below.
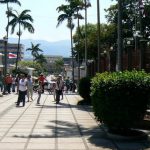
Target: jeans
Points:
(1, 87)
(21, 97)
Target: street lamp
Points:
(129, 49)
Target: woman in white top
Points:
(22, 90)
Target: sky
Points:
(45, 18)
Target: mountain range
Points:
(57, 48)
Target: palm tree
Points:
(19, 20)
(67, 14)
(34, 50)
(40, 59)
(86, 5)
(7, 28)
(77, 5)
(9, 10)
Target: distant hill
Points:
(58, 48)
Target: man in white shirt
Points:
(22, 90)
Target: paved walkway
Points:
(48, 126)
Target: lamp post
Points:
(129, 51)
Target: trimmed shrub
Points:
(84, 88)
(120, 99)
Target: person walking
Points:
(1, 81)
(8, 82)
(13, 83)
(29, 88)
(41, 79)
(59, 88)
(67, 84)
(40, 88)
(22, 87)
(17, 82)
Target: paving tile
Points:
(42, 140)
(70, 140)
(39, 146)
(14, 140)
(12, 146)
(71, 146)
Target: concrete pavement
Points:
(50, 126)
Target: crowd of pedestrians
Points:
(23, 86)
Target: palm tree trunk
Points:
(18, 48)
(119, 66)
(78, 52)
(85, 39)
(98, 34)
(7, 29)
(72, 53)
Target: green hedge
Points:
(120, 99)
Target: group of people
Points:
(23, 86)
(7, 83)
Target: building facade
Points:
(11, 48)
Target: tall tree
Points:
(7, 27)
(23, 19)
(34, 49)
(86, 5)
(98, 35)
(77, 6)
(9, 10)
(119, 66)
(67, 14)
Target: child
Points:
(39, 92)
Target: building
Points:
(11, 48)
